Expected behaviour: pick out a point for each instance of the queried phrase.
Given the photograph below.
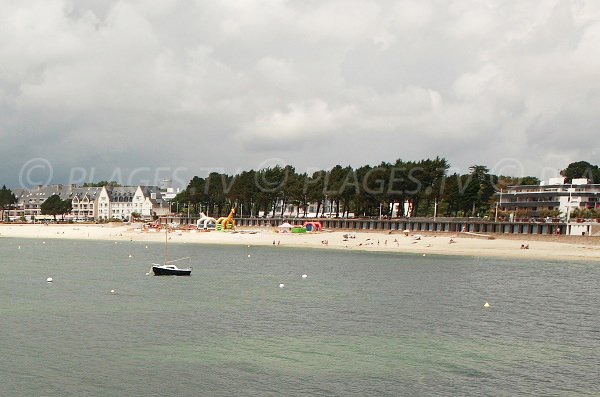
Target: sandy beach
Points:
(416, 243)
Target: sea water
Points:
(359, 324)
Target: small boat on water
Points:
(167, 268)
(170, 270)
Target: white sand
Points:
(365, 241)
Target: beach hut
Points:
(284, 227)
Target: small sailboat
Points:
(168, 268)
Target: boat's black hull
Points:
(160, 271)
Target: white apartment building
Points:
(119, 202)
(552, 196)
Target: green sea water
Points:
(360, 324)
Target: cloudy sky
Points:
(144, 89)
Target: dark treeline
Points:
(424, 186)
(419, 187)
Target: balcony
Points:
(529, 204)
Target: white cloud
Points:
(348, 81)
(299, 121)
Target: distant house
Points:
(153, 202)
(116, 202)
(84, 201)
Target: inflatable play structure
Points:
(205, 221)
(284, 228)
(225, 222)
(287, 228)
(313, 227)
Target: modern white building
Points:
(552, 196)
(555, 199)
(167, 190)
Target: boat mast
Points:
(166, 240)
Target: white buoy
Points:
(304, 276)
(486, 305)
(281, 285)
(43, 242)
(19, 247)
(130, 255)
(116, 242)
(147, 273)
(49, 279)
(248, 246)
(112, 291)
(146, 246)
(248, 255)
(424, 255)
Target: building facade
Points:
(553, 199)
(120, 202)
(29, 201)
(92, 203)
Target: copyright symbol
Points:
(508, 166)
(271, 175)
(37, 171)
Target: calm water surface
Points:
(361, 324)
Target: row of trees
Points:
(424, 186)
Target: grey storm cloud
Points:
(144, 89)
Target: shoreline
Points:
(550, 248)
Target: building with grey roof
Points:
(93, 203)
